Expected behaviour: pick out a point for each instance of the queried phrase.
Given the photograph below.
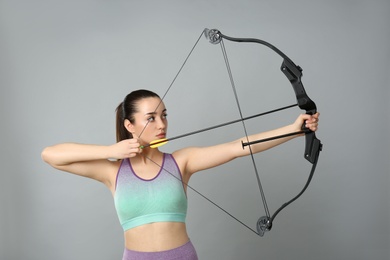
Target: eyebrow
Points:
(154, 113)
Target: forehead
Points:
(150, 104)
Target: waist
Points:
(157, 236)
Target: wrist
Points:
(109, 152)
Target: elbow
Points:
(46, 156)
(51, 156)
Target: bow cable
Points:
(244, 126)
(264, 223)
(313, 145)
(203, 196)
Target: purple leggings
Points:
(184, 252)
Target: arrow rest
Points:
(264, 224)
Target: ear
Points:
(129, 126)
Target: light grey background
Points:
(65, 65)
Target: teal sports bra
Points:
(161, 199)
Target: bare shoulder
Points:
(182, 157)
(184, 154)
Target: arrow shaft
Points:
(219, 125)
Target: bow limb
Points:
(313, 145)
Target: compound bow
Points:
(313, 146)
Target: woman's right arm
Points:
(88, 160)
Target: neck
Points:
(148, 155)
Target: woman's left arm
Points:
(200, 158)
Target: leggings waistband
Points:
(184, 252)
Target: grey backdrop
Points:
(65, 65)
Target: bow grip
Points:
(313, 147)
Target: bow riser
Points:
(294, 75)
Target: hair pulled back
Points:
(126, 110)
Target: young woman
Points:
(148, 185)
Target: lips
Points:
(161, 136)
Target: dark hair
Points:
(126, 110)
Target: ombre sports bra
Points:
(161, 199)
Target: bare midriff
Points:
(158, 236)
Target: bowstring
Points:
(232, 83)
(173, 81)
(181, 180)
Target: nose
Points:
(161, 123)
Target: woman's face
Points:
(149, 123)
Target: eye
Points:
(151, 119)
(164, 116)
